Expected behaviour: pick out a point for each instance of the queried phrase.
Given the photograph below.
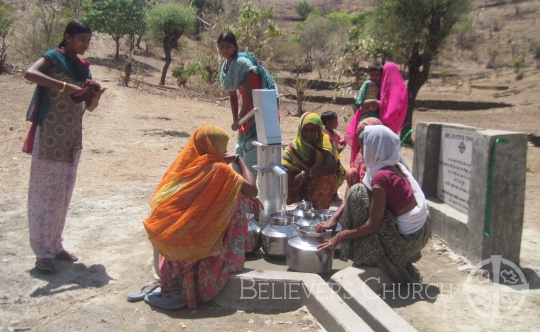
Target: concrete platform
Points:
(264, 290)
(344, 299)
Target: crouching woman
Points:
(197, 222)
(311, 163)
(385, 220)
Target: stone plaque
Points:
(455, 167)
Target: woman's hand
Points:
(369, 105)
(235, 125)
(331, 223)
(72, 89)
(330, 244)
(254, 204)
(299, 180)
(99, 93)
(229, 157)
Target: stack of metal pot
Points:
(275, 236)
(254, 231)
(303, 255)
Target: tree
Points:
(6, 24)
(116, 18)
(205, 9)
(415, 31)
(317, 46)
(304, 9)
(166, 24)
(43, 29)
(256, 29)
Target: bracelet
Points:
(310, 173)
(236, 159)
(64, 87)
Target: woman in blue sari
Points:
(64, 91)
(241, 73)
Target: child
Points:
(369, 92)
(330, 122)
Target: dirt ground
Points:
(130, 140)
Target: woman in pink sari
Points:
(392, 106)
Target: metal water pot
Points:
(325, 215)
(254, 231)
(303, 255)
(277, 233)
(309, 217)
(301, 207)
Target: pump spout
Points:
(283, 181)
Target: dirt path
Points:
(128, 143)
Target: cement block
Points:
(466, 233)
(507, 204)
(366, 303)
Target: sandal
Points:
(66, 256)
(145, 290)
(45, 264)
(163, 301)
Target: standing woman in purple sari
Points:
(64, 91)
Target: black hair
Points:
(228, 37)
(375, 66)
(328, 116)
(75, 27)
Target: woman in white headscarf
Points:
(385, 221)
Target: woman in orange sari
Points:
(311, 163)
(197, 224)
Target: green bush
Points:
(182, 74)
(304, 9)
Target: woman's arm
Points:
(247, 99)
(329, 167)
(249, 186)
(331, 223)
(233, 98)
(370, 105)
(361, 94)
(372, 225)
(35, 74)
